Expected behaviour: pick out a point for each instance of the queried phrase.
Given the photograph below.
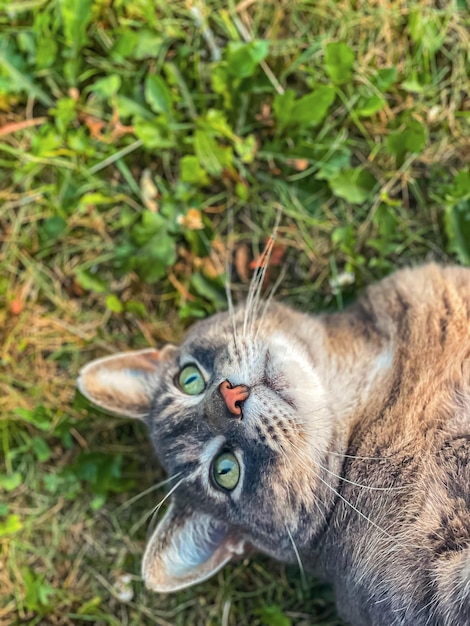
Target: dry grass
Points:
(73, 191)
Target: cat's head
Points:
(239, 418)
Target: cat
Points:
(339, 441)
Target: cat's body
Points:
(350, 433)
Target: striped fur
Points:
(354, 446)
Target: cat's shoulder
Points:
(419, 294)
(425, 280)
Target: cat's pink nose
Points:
(233, 396)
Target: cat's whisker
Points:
(303, 578)
(151, 514)
(265, 264)
(348, 503)
(228, 277)
(316, 499)
(254, 291)
(226, 270)
(262, 269)
(142, 494)
(337, 493)
(389, 376)
(257, 282)
(310, 418)
(361, 458)
(165, 498)
(346, 480)
(269, 299)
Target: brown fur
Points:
(354, 447)
(418, 425)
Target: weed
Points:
(140, 145)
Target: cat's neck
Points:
(358, 366)
(355, 366)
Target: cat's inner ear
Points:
(124, 383)
(187, 548)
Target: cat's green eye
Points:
(226, 471)
(191, 380)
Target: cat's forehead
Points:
(222, 338)
(232, 336)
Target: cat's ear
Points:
(124, 383)
(187, 548)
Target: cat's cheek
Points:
(305, 391)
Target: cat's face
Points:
(239, 418)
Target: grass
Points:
(142, 142)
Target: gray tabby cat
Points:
(340, 441)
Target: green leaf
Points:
(52, 228)
(191, 310)
(460, 188)
(385, 78)
(18, 79)
(95, 198)
(272, 615)
(11, 525)
(353, 185)
(242, 190)
(344, 238)
(37, 592)
(192, 172)
(282, 106)
(157, 94)
(412, 85)
(113, 304)
(103, 472)
(39, 417)
(107, 87)
(367, 106)
(91, 282)
(89, 607)
(338, 161)
(149, 225)
(207, 289)
(244, 58)
(64, 113)
(212, 157)
(153, 260)
(9, 482)
(125, 45)
(426, 29)
(339, 62)
(311, 110)
(410, 139)
(130, 108)
(46, 52)
(155, 134)
(216, 123)
(457, 225)
(387, 221)
(154, 248)
(136, 308)
(246, 148)
(76, 15)
(98, 502)
(41, 449)
(148, 44)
